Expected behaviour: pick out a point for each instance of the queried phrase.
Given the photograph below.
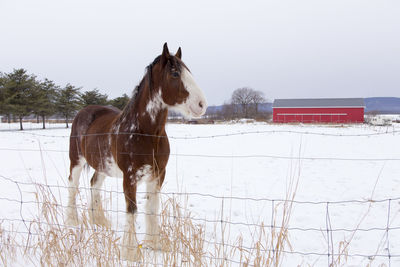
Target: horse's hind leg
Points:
(73, 183)
(96, 211)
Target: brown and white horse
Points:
(132, 144)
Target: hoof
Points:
(72, 221)
(131, 249)
(158, 244)
(72, 218)
(131, 253)
(100, 220)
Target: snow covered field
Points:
(348, 178)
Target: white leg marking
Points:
(96, 211)
(152, 214)
(130, 245)
(73, 183)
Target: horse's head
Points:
(178, 89)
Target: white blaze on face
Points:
(195, 105)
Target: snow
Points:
(253, 163)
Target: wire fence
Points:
(386, 131)
(330, 251)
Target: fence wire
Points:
(211, 155)
(387, 132)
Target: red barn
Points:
(323, 110)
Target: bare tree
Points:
(257, 98)
(247, 98)
(228, 111)
(243, 98)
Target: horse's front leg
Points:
(153, 237)
(152, 214)
(130, 245)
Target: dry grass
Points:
(47, 241)
(8, 250)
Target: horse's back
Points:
(84, 121)
(88, 115)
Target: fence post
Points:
(328, 235)
(387, 232)
(272, 227)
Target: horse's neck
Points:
(146, 114)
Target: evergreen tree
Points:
(120, 102)
(2, 93)
(94, 97)
(45, 94)
(5, 108)
(68, 101)
(19, 89)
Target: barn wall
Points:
(320, 115)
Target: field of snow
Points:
(348, 178)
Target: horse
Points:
(132, 144)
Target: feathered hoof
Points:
(72, 218)
(99, 219)
(133, 254)
(159, 244)
(131, 249)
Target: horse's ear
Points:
(165, 55)
(179, 53)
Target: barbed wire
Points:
(212, 156)
(391, 132)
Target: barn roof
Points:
(318, 102)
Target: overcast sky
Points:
(286, 49)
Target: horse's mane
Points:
(147, 76)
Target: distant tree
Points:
(5, 93)
(2, 93)
(228, 111)
(246, 98)
(19, 88)
(45, 95)
(257, 99)
(243, 98)
(68, 101)
(93, 97)
(119, 102)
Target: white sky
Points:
(287, 49)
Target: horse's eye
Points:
(175, 74)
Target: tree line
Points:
(23, 94)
